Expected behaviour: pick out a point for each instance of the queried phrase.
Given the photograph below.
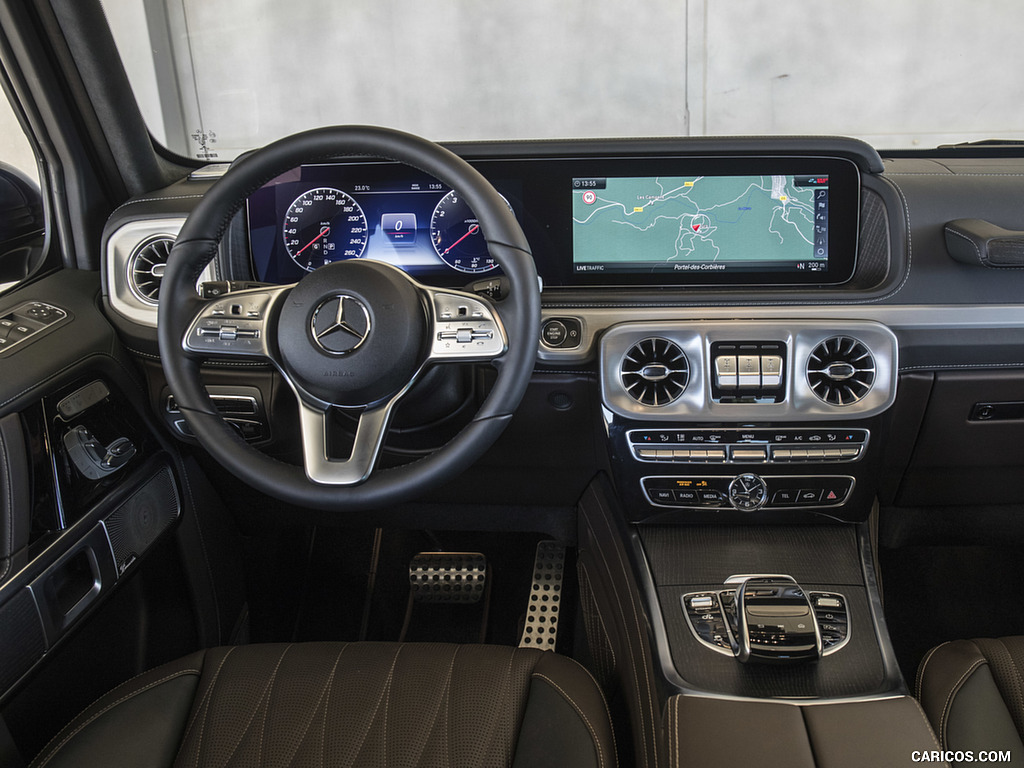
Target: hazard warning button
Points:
(834, 494)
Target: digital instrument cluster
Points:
(320, 214)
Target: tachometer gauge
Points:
(322, 226)
(455, 233)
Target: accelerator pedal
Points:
(541, 629)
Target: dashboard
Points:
(739, 301)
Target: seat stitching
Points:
(506, 687)
(579, 711)
(952, 694)
(1018, 695)
(444, 691)
(629, 649)
(269, 696)
(267, 688)
(919, 683)
(373, 718)
(203, 706)
(109, 707)
(607, 711)
(327, 706)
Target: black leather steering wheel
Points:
(354, 334)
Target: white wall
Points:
(898, 73)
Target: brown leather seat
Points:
(973, 693)
(340, 704)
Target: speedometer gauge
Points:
(324, 225)
(455, 233)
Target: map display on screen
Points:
(700, 223)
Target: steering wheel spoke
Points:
(320, 466)
(464, 327)
(236, 324)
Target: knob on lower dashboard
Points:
(748, 492)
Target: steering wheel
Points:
(354, 334)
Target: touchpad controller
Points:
(768, 619)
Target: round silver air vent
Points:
(654, 371)
(146, 267)
(841, 370)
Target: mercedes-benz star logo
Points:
(340, 324)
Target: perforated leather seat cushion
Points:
(337, 704)
(973, 693)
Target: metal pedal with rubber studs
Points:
(448, 577)
(541, 629)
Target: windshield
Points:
(215, 78)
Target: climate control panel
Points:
(748, 446)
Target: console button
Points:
(749, 454)
(662, 495)
(834, 495)
(711, 498)
(686, 497)
(808, 496)
(726, 372)
(785, 497)
(554, 333)
(716, 455)
(771, 371)
(749, 371)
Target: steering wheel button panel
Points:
(243, 334)
(465, 328)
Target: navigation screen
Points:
(701, 224)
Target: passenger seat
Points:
(973, 693)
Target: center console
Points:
(746, 420)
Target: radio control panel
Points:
(747, 492)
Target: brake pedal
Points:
(541, 630)
(448, 577)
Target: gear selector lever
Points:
(776, 622)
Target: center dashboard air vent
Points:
(841, 370)
(654, 371)
(146, 267)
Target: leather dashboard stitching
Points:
(154, 200)
(8, 481)
(579, 711)
(109, 707)
(629, 647)
(977, 251)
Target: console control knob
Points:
(748, 492)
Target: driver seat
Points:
(340, 704)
